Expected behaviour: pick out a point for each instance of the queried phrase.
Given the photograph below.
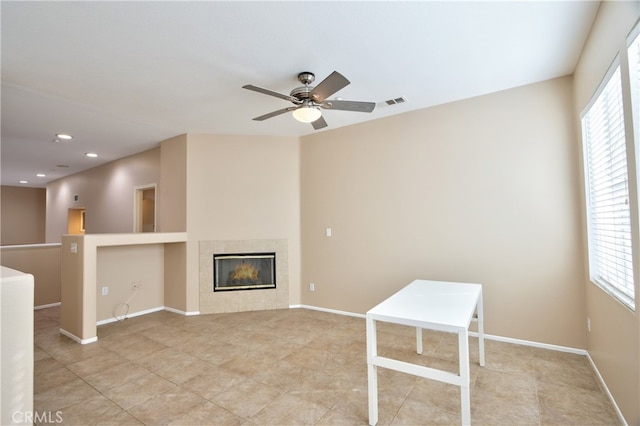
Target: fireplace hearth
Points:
(244, 271)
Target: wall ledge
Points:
(30, 246)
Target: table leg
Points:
(419, 340)
(372, 371)
(463, 358)
(480, 312)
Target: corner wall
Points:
(483, 190)
(614, 340)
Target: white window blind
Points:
(610, 243)
(633, 53)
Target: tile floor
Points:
(294, 367)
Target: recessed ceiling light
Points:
(64, 136)
(91, 154)
(24, 181)
(41, 175)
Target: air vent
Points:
(396, 101)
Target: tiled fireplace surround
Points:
(243, 300)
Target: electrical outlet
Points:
(312, 287)
(105, 291)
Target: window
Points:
(607, 187)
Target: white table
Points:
(435, 305)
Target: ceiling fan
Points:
(308, 100)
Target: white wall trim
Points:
(177, 311)
(606, 390)
(76, 338)
(551, 347)
(331, 311)
(131, 315)
(50, 305)
(30, 246)
(471, 333)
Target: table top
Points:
(439, 305)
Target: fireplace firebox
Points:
(244, 271)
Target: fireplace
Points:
(244, 271)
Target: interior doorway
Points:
(75, 221)
(145, 208)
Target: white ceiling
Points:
(123, 76)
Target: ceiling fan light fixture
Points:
(307, 114)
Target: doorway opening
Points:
(75, 221)
(145, 208)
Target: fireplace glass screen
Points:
(244, 271)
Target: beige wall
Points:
(41, 261)
(22, 212)
(172, 193)
(483, 190)
(242, 188)
(121, 266)
(105, 192)
(614, 340)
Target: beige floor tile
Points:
(247, 398)
(568, 405)
(101, 362)
(288, 409)
(93, 410)
(438, 396)
(574, 372)
(183, 369)
(296, 366)
(115, 376)
(491, 408)
(213, 381)
(63, 396)
(138, 390)
(417, 413)
(166, 407)
(51, 379)
(283, 375)
(137, 347)
(336, 418)
(207, 414)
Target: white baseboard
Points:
(511, 340)
(50, 305)
(131, 315)
(76, 338)
(331, 311)
(471, 333)
(606, 390)
(185, 313)
(150, 311)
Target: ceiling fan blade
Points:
(274, 113)
(329, 86)
(319, 123)
(268, 92)
(349, 105)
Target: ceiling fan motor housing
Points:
(303, 93)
